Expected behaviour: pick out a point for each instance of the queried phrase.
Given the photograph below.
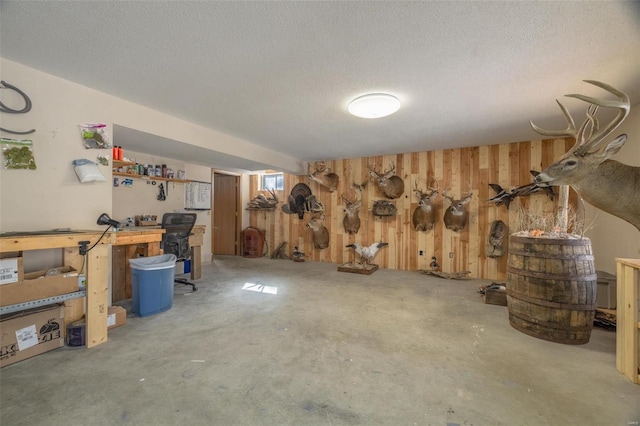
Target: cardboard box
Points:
(38, 286)
(116, 316)
(606, 295)
(11, 270)
(29, 333)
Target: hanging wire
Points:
(4, 108)
(96, 243)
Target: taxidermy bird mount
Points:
(367, 253)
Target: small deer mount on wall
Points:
(391, 185)
(324, 176)
(424, 216)
(455, 217)
(351, 221)
(319, 231)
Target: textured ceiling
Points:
(281, 74)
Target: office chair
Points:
(175, 240)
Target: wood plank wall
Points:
(506, 164)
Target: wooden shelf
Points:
(117, 163)
(145, 177)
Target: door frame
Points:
(238, 229)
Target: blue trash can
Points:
(152, 284)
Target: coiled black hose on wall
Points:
(4, 108)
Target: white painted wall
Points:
(610, 236)
(59, 106)
(141, 198)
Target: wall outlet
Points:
(450, 255)
(421, 252)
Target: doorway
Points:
(225, 213)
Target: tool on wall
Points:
(161, 194)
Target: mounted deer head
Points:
(351, 221)
(606, 184)
(320, 232)
(424, 215)
(391, 185)
(323, 175)
(455, 217)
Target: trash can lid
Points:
(151, 263)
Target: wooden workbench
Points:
(97, 272)
(145, 241)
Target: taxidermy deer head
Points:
(323, 175)
(455, 217)
(391, 185)
(320, 232)
(351, 221)
(424, 215)
(606, 184)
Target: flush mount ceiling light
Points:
(374, 105)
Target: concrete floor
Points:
(331, 348)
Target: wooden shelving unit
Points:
(627, 321)
(120, 163)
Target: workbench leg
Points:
(196, 262)
(97, 292)
(153, 249)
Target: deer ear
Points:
(614, 146)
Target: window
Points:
(273, 181)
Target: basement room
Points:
(319, 213)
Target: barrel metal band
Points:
(548, 276)
(552, 325)
(540, 302)
(550, 255)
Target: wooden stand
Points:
(627, 321)
(356, 268)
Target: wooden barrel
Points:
(551, 288)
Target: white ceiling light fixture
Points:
(374, 105)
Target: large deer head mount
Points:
(391, 185)
(424, 216)
(606, 184)
(455, 217)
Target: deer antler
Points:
(437, 186)
(389, 172)
(416, 190)
(445, 196)
(273, 195)
(589, 134)
(349, 197)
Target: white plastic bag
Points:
(88, 171)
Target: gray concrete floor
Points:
(331, 348)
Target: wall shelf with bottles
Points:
(128, 168)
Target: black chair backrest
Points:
(177, 228)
